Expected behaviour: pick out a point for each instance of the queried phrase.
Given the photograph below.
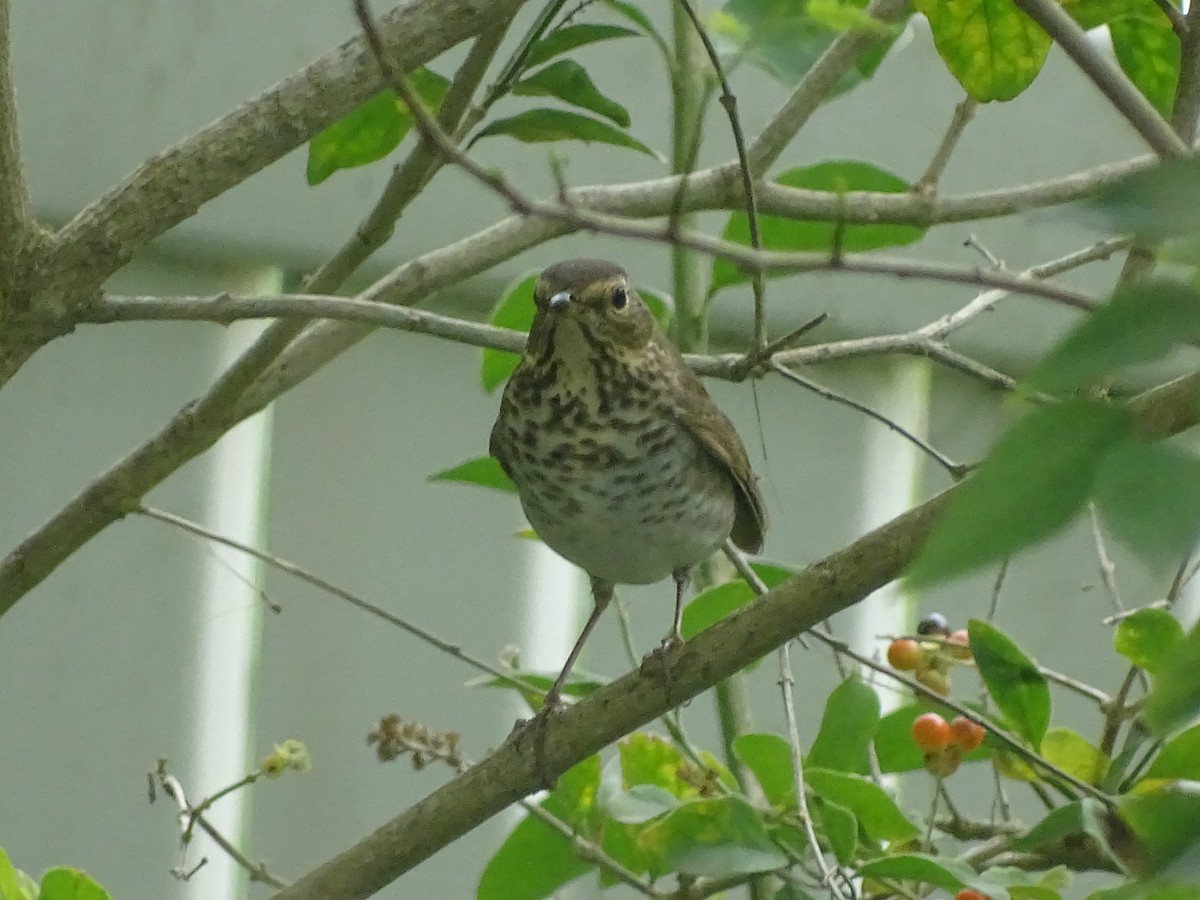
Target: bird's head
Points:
(588, 306)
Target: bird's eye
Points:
(620, 297)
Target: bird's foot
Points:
(660, 661)
(527, 732)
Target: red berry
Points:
(965, 734)
(958, 645)
(904, 654)
(968, 894)
(930, 732)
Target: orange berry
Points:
(936, 681)
(904, 654)
(965, 734)
(958, 645)
(968, 894)
(942, 762)
(930, 732)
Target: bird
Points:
(623, 463)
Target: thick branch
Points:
(174, 185)
(15, 215)
(1105, 74)
(827, 587)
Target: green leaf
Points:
(992, 48)
(840, 828)
(1141, 323)
(715, 838)
(484, 471)
(579, 683)
(1175, 698)
(1012, 680)
(769, 757)
(1149, 495)
(370, 131)
(712, 605)
(639, 804)
(878, 813)
(784, 38)
(941, 871)
(535, 860)
(1074, 755)
(847, 727)
(647, 759)
(661, 306)
(1148, 637)
(513, 310)
(1148, 51)
(1063, 822)
(14, 884)
(779, 233)
(537, 126)
(1154, 204)
(715, 603)
(1035, 480)
(570, 82)
(1089, 14)
(566, 39)
(1179, 757)
(69, 884)
(635, 15)
(1166, 821)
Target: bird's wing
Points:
(696, 411)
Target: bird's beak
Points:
(559, 301)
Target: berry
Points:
(965, 734)
(942, 762)
(935, 680)
(935, 624)
(958, 645)
(904, 654)
(968, 894)
(930, 732)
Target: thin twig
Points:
(329, 587)
(1108, 570)
(728, 101)
(188, 816)
(997, 586)
(1116, 712)
(956, 470)
(926, 185)
(786, 682)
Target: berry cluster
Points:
(943, 743)
(931, 660)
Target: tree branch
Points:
(15, 215)
(171, 187)
(1107, 76)
(512, 772)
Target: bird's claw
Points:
(534, 730)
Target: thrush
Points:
(623, 463)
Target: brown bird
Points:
(624, 464)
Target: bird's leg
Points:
(602, 593)
(674, 638)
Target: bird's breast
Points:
(610, 480)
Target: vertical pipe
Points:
(229, 621)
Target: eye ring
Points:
(620, 298)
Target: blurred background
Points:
(149, 643)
